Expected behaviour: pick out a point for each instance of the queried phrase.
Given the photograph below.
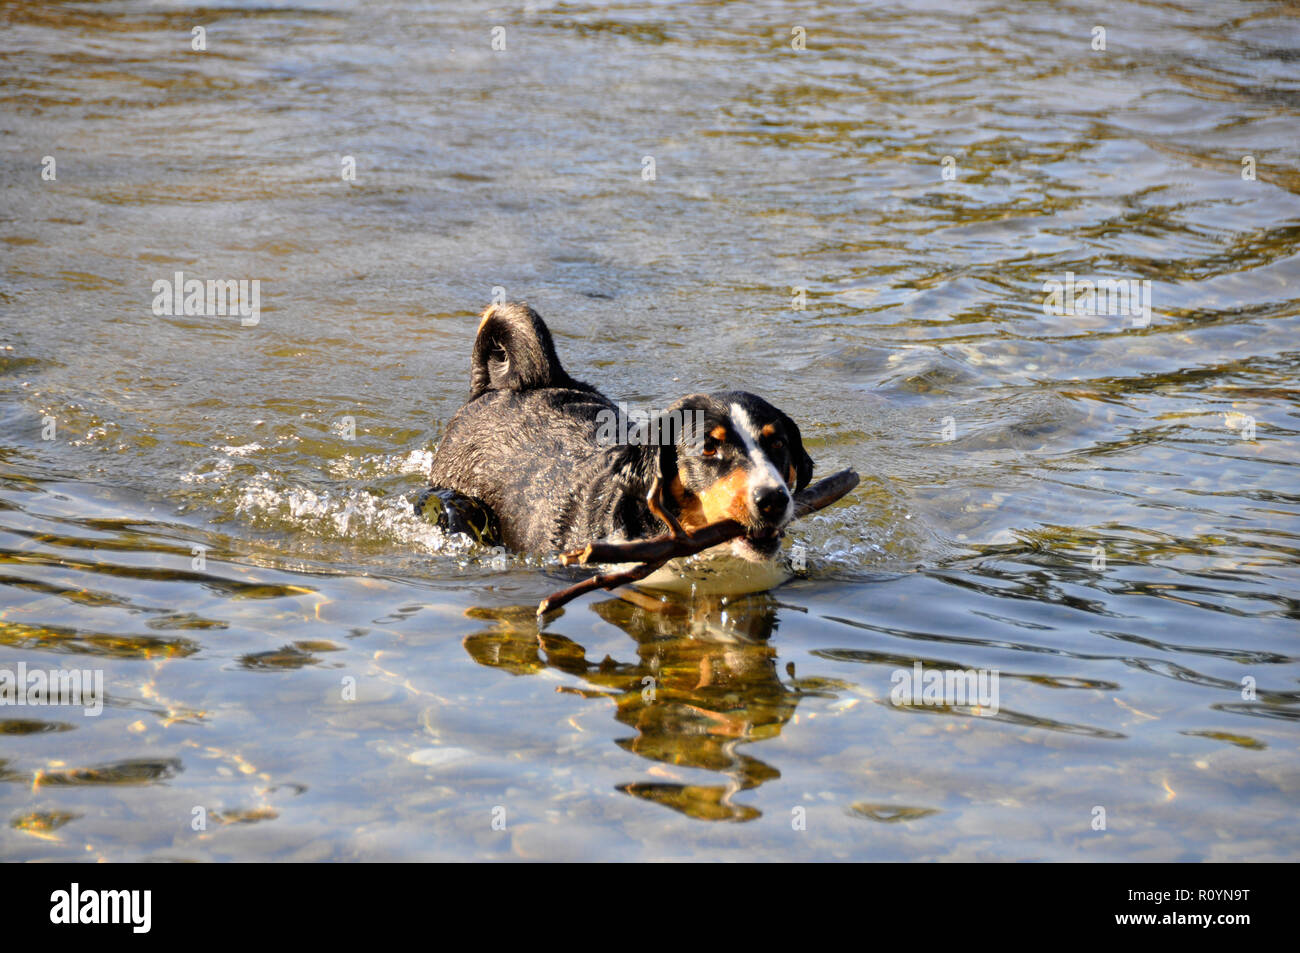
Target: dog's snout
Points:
(770, 501)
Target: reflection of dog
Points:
(703, 690)
(526, 444)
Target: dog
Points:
(532, 445)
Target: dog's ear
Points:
(679, 429)
(667, 464)
(803, 464)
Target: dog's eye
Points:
(777, 444)
(710, 449)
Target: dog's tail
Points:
(514, 351)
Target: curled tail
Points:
(514, 351)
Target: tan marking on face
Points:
(768, 430)
(718, 433)
(727, 499)
(790, 476)
(689, 512)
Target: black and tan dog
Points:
(532, 444)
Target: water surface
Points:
(1106, 515)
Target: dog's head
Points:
(733, 456)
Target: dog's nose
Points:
(770, 501)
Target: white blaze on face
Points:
(763, 475)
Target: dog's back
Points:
(525, 442)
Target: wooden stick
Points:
(606, 580)
(653, 553)
(812, 498)
(654, 500)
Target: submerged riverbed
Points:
(216, 516)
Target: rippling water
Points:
(1106, 514)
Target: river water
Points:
(1101, 508)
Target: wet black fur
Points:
(525, 443)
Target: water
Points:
(1112, 527)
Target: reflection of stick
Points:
(653, 553)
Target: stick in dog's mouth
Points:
(758, 546)
(653, 553)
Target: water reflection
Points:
(707, 678)
(703, 682)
